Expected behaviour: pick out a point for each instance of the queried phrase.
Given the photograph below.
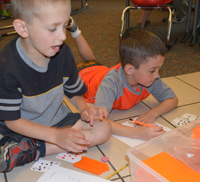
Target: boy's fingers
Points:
(79, 143)
(91, 117)
(159, 128)
(160, 132)
(76, 148)
(105, 113)
(99, 114)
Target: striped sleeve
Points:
(73, 84)
(10, 99)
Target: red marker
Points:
(138, 122)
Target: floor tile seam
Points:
(176, 106)
(188, 104)
(186, 82)
(5, 177)
(110, 163)
(168, 121)
(145, 104)
(151, 108)
(122, 177)
(126, 176)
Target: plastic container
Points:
(140, 172)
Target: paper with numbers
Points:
(60, 174)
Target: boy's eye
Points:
(152, 71)
(52, 29)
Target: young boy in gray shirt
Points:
(36, 70)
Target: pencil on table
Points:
(139, 122)
(116, 171)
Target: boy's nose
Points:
(62, 35)
(156, 74)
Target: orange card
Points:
(172, 169)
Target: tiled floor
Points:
(187, 89)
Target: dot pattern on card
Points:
(68, 157)
(44, 165)
(185, 119)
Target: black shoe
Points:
(179, 19)
(138, 26)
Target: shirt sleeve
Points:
(73, 85)
(107, 93)
(161, 91)
(10, 98)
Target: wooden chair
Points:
(150, 5)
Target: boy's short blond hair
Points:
(26, 10)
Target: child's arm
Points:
(66, 138)
(83, 47)
(88, 114)
(141, 132)
(163, 107)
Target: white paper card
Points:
(132, 142)
(44, 165)
(60, 174)
(68, 157)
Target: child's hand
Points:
(146, 118)
(73, 28)
(146, 133)
(91, 114)
(71, 139)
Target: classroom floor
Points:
(187, 89)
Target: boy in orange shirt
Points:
(122, 86)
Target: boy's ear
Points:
(129, 69)
(20, 27)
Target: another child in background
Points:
(36, 70)
(181, 7)
(137, 76)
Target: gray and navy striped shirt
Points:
(33, 92)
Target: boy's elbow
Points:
(10, 123)
(175, 101)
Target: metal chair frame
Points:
(135, 7)
(6, 34)
(84, 6)
(196, 24)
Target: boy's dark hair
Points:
(138, 46)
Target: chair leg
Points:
(7, 34)
(125, 11)
(83, 8)
(187, 30)
(127, 15)
(195, 24)
(5, 27)
(169, 44)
